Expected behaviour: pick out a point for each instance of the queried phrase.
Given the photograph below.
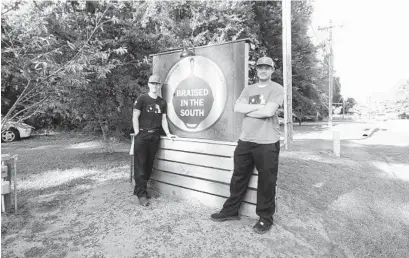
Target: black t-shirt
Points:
(151, 111)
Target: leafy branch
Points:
(42, 83)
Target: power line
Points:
(315, 33)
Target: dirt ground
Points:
(76, 201)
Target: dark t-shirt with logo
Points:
(151, 111)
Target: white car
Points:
(15, 130)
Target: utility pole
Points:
(287, 74)
(330, 76)
(330, 73)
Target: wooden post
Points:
(3, 203)
(287, 74)
(6, 167)
(4, 185)
(131, 154)
(15, 157)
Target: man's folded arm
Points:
(244, 108)
(267, 110)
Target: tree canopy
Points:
(81, 64)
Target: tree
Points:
(48, 49)
(305, 65)
(402, 99)
(84, 63)
(349, 104)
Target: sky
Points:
(371, 49)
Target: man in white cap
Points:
(149, 117)
(258, 146)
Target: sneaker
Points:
(143, 201)
(262, 227)
(219, 217)
(148, 195)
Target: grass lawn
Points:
(75, 200)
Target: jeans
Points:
(265, 158)
(145, 147)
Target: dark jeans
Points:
(265, 158)
(145, 148)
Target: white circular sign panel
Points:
(206, 70)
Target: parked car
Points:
(281, 118)
(308, 118)
(15, 130)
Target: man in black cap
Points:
(149, 117)
(259, 146)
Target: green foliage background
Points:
(81, 64)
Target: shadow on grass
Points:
(42, 200)
(48, 178)
(361, 210)
(104, 159)
(33, 163)
(43, 153)
(72, 184)
(322, 183)
(327, 203)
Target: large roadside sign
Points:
(201, 89)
